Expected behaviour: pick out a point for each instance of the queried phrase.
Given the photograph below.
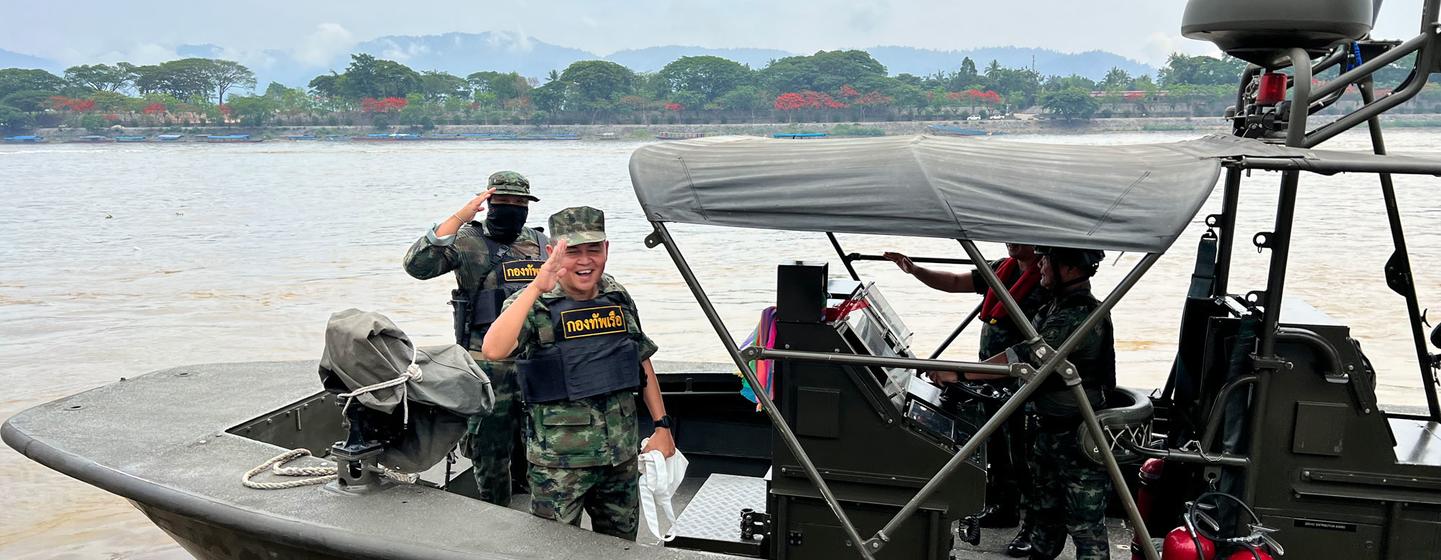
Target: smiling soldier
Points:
(582, 356)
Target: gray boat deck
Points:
(160, 440)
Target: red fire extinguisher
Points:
(1248, 553)
(1149, 475)
(1184, 544)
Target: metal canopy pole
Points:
(759, 353)
(663, 237)
(1019, 399)
(1227, 224)
(845, 260)
(1400, 262)
(976, 312)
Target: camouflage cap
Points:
(510, 182)
(577, 225)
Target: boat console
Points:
(875, 434)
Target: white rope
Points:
(411, 373)
(319, 475)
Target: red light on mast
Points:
(1272, 90)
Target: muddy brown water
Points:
(122, 259)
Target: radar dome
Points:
(1262, 31)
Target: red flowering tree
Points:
(384, 105)
(872, 99)
(674, 107)
(789, 102)
(849, 92)
(72, 104)
(154, 109)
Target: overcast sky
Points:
(146, 31)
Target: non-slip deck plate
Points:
(712, 520)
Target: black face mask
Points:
(503, 222)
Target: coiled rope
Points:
(318, 475)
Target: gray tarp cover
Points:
(1120, 197)
(365, 348)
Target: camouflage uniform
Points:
(1070, 489)
(1008, 484)
(490, 438)
(582, 453)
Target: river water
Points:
(121, 259)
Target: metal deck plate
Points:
(1418, 442)
(712, 520)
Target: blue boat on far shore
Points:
(169, 137)
(800, 135)
(229, 138)
(129, 139)
(24, 139)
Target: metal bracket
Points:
(1263, 240)
(1213, 220)
(653, 240)
(1272, 363)
(754, 524)
(1023, 371)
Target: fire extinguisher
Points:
(1250, 553)
(1200, 539)
(1183, 544)
(1149, 475)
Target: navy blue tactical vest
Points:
(593, 353)
(511, 269)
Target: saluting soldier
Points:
(581, 356)
(491, 260)
(1070, 489)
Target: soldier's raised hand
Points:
(468, 212)
(552, 270)
(903, 262)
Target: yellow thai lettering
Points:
(592, 321)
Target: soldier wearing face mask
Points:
(491, 259)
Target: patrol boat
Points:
(1268, 429)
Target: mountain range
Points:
(464, 53)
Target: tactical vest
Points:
(511, 268)
(592, 353)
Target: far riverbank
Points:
(643, 131)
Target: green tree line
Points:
(847, 85)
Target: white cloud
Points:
(138, 53)
(516, 41)
(328, 41)
(1160, 45)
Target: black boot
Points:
(998, 517)
(1020, 546)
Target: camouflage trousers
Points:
(1008, 480)
(610, 494)
(491, 440)
(1070, 498)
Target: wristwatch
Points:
(666, 422)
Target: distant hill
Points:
(651, 59)
(922, 62)
(10, 59)
(464, 53)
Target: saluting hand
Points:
(468, 212)
(903, 262)
(551, 271)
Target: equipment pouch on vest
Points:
(593, 354)
(460, 316)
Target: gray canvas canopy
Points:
(1118, 197)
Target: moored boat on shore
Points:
(23, 139)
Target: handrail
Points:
(760, 353)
